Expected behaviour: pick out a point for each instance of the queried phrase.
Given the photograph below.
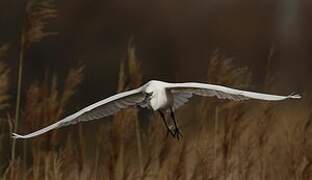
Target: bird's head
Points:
(149, 90)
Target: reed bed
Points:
(223, 140)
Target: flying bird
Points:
(159, 96)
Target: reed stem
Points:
(215, 141)
(18, 95)
(139, 144)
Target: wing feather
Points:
(223, 92)
(180, 99)
(97, 110)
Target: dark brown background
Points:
(174, 39)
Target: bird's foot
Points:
(170, 131)
(178, 134)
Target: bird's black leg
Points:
(177, 131)
(165, 122)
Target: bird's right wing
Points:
(223, 92)
(180, 98)
(97, 110)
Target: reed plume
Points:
(222, 140)
(4, 78)
(38, 13)
(36, 16)
(45, 103)
(4, 101)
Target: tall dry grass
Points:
(37, 13)
(4, 101)
(32, 30)
(222, 139)
(45, 102)
(4, 78)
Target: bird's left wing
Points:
(223, 92)
(97, 110)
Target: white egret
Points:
(158, 96)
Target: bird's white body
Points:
(161, 98)
(158, 96)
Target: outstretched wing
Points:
(180, 98)
(222, 92)
(97, 110)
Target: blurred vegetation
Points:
(222, 139)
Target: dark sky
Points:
(174, 39)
